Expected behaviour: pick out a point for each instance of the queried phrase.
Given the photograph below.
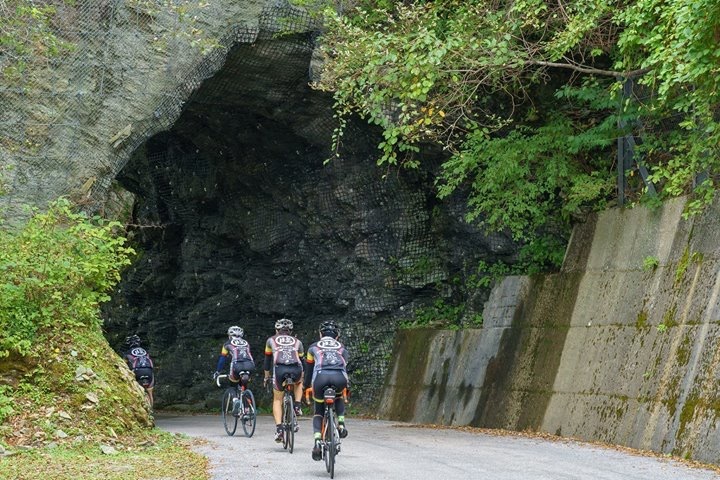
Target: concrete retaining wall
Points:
(609, 349)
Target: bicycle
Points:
(330, 435)
(288, 418)
(246, 411)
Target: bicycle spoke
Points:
(249, 418)
(229, 420)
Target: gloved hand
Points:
(215, 375)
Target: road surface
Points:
(392, 450)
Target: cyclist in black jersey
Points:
(139, 361)
(237, 349)
(325, 366)
(283, 357)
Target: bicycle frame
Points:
(246, 413)
(329, 431)
(288, 417)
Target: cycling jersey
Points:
(283, 349)
(283, 356)
(139, 361)
(325, 355)
(241, 359)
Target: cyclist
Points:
(283, 356)
(241, 360)
(325, 366)
(139, 361)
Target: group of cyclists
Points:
(323, 365)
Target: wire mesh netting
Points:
(72, 122)
(88, 82)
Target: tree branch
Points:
(591, 70)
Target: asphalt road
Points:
(392, 450)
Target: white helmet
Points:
(235, 332)
(284, 324)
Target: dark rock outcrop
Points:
(239, 219)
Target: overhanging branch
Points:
(591, 70)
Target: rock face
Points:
(196, 122)
(241, 221)
(71, 121)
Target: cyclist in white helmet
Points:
(283, 356)
(241, 360)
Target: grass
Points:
(154, 456)
(71, 410)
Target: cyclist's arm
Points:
(267, 363)
(128, 361)
(222, 358)
(309, 365)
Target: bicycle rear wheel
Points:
(289, 438)
(229, 420)
(333, 444)
(250, 417)
(329, 442)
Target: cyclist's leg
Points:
(237, 369)
(278, 373)
(146, 378)
(297, 376)
(339, 379)
(317, 429)
(319, 384)
(298, 384)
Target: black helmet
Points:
(284, 324)
(133, 341)
(329, 329)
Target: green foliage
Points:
(187, 26)
(54, 273)
(6, 402)
(151, 455)
(682, 265)
(541, 254)
(438, 314)
(473, 77)
(650, 263)
(26, 32)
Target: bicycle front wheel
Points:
(249, 418)
(293, 426)
(289, 439)
(229, 420)
(288, 412)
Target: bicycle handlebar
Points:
(218, 378)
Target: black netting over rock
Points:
(237, 217)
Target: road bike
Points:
(288, 418)
(330, 435)
(238, 403)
